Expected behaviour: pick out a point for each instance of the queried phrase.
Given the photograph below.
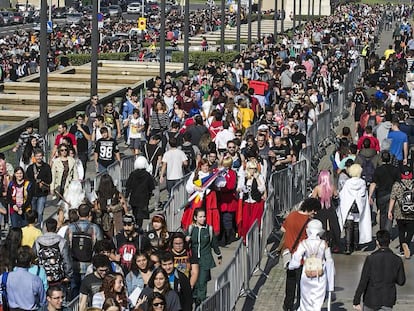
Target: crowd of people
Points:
(200, 124)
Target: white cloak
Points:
(355, 189)
(313, 290)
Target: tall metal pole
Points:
(313, 9)
(300, 12)
(320, 7)
(95, 45)
(238, 22)
(309, 8)
(259, 20)
(249, 25)
(222, 24)
(43, 114)
(162, 42)
(186, 34)
(294, 14)
(275, 24)
(283, 16)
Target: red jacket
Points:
(227, 198)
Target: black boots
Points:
(356, 236)
(349, 231)
(351, 236)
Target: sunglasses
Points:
(157, 304)
(64, 149)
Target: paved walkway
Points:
(348, 268)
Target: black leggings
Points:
(405, 231)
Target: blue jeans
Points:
(38, 205)
(101, 168)
(170, 185)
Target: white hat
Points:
(263, 127)
(140, 163)
(314, 227)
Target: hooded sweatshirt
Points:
(382, 131)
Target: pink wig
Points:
(326, 190)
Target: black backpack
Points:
(368, 169)
(82, 246)
(191, 158)
(51, 259)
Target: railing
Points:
(73, 305)
(234, 273)
(175, 205)
(219, 301)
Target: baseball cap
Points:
(406, 172)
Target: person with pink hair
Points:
(326, 192)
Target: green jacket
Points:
(202, 241)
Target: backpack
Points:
(372, 121)
(407, 201)
(191, 158)
(82, 246)
(312, 266)
(368, 169)
(51, 259)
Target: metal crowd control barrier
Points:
(324, 125)
(234, 273)
(218, 301)
(312, 138)
(73, 305)
(267, 222)
(175, 205)
(289, 187)
(252, 255)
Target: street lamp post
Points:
(259, 20)
(275, 24)
(249, 25)
(294, 14)
(162, 41)
(222, 24)
(186, 34)
(238, 17)
(282, 17)
(43, 113)
(94, 52)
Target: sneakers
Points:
(406, 250)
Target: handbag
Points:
(286, 254)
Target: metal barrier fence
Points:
(73, 305)
(289, 187)
(252, 253)
(234, 273)
(324, 125)
(219, 301)
(175, 205)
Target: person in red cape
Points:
(253, 193)
(204, 197)
(227, 198)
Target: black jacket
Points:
(139, 188)
(44, 174)
(183, 289)
(382, 270)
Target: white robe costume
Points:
(355, 189)
(313, 290)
